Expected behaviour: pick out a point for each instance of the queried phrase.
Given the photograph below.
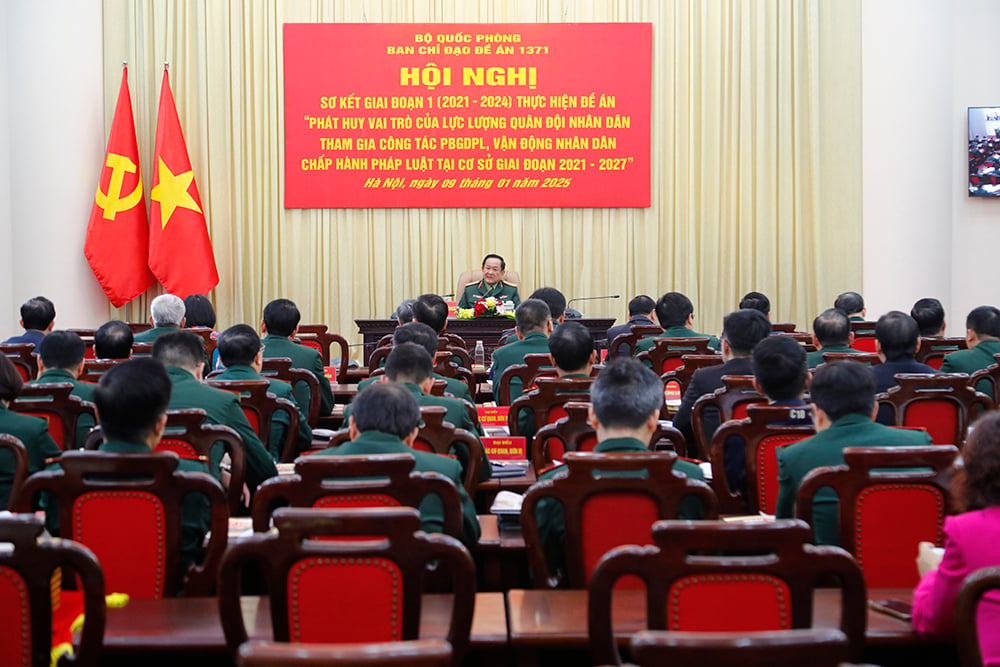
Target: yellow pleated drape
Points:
(756, 162)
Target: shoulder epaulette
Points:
(507, 282)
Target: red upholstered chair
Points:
(126, 508)
(762, 437)
(347, 590)
(943, 404)
(681, 375)
(722, 588)
(990, 374)
(870, 358)
(11, 446)
(885, 513)
(976, 585)
(545, 401)
(52, 402)
(259, 406)
(317, 337)
(933, 348)
(33, 609)
(341, 482)
(624, 344)
(535, 365)
(281, 368)
(607, 500)
(570, 433)
(666, 353)
(23, 357)
(414, 653)
(816, 647)
(93, 369)
(439, 437)
(728, 402)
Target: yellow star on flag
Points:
(172, 192)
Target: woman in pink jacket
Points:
(971, 542)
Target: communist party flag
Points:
(118, 234)
(180, 252)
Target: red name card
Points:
(491, 417)
(506, 449)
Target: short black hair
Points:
(503, 264)
(757, 301)
(11, 381)
(432, 310)
(929, 315)
(641, 305)
(744, 328)
(531, 315)
(179, 348)
(62, 349)
(843, 388)
(198, 311)
(386, 407)
(779, 364)
(897, 334)
(673, 309)
(113, 340)
(37, 313)
(850, 302)
(571, 345)
(281, 317)
(553, 298)
(404, 311)
(832, 327)
(419, 333)
(985, 321)
(131, 397)
(626, 394)
(409, 362)
(238, 345)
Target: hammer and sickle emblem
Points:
(112, 202)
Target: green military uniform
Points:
(501, 291)
(454, 386)
(302, 357)
(815, 358)
(82, 390)
(971, 360)
(280, 420)
(223, 408)
(535, 342)
(33, 432)
(826, 449)
(431, 511)
(457, 414)
(647, 343)
(549, 513)
(150, 335)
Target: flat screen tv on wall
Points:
(984, 151)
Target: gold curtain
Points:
(756, 162)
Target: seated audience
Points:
(675, 313)
(741, 331)
(492, 284)
(971, 542)
(982, 334)
(198, 312)
(757, 301)
(641, 313)
(533, 321)
(556, 302)
(385, 419)
(241, 353)
(280, 324)
(897, 339)
(853, 304)
(113, 340)
(404, 311)
(166, 314)
(60, 359)
(831, 333)
(929, 315)
(432, 310)
(843, 399)
(37, 317)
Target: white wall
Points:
(52, 91)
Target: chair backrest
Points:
(989, 374)
(667, 438)
(666, 353)
(30, 568)
(865, 343)
(126, 508)
(378, 357)
(681, 375)
(933, 348)
(281, 368)
(438, 436)
(347, 590)
(23, 357)
(570, 433)
(783, 327)
(545, 401)
(458, 352)
(535, 365)
(93, 369)
(976, 585)
(340, 482)
(816, 647)
(730, 401)
(443, 365)
(943, 404)
(607, 500)
(624, 343)
(870, 358)
(475, 275)
(142, 349)
(890, 499)
(87, 336)
(700, 576)
(764, 431)
(415, 653)
(11, 446)
(209, 342)
(801, 337)
(317, 337)
(259, 406)
(52, 402)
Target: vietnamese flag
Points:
(180, 252)
(118, 234)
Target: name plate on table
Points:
(330, 373)
(494, 420)
(506, 449)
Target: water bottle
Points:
(479, 358)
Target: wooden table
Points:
(501, 556)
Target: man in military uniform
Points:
(166, 314)
(983, 337)
(534, 325)
(60, 359)
(492, 284)
(280, 324)
(675, 312)
(831, 333)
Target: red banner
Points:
(397, 115)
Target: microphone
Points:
(592, 298)
(446, 296)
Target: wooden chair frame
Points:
(668, 351)
(689, 364)
(631, 339)
(976, 585)
(816, 647)
(438, 436)
(22, 355)
(954, 388)
(549, 393)
(317, 336)
(933, 348)
(94, 369)
(54, 399)
(870, 358)
(535, 365)
(443, 365)
(736, 390)
(255, 397)
(21, 465)
(412, 653)
(991, 374)
(281, 368)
